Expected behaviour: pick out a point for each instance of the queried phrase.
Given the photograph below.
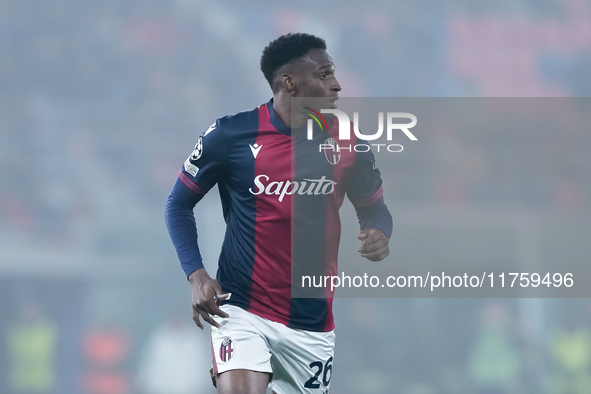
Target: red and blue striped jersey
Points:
(280, 196)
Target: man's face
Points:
(315, 77)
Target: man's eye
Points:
(323, 76)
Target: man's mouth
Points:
(332, 100)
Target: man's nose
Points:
(336, 87)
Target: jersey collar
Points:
(278, 124)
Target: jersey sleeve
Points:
(199, 173)
(364, 190)
(205, 165)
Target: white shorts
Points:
(300, 361)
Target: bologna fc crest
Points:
(197, 151)
(226, 349)
(332, 151)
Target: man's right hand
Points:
(206, 293)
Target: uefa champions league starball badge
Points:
(197, 151)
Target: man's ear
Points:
(287, 82)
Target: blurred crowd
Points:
(101, 102)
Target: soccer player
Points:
(280, 202)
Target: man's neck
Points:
(282, 108)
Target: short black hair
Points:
(285, 49)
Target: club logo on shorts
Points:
(332, 151)
(226, 349)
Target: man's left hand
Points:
(374, 244)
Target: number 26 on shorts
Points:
(322, 373)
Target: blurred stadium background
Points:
(101, 102)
